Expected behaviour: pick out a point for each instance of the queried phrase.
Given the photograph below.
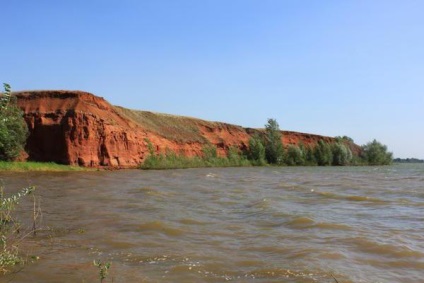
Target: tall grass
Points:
(37, 166)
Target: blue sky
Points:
(352, 68)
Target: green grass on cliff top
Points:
(37, 166)
(176, 128)
(180, 129)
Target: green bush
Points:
(210, 158)
(323, 154)
(256, 152)
(309, 154)
(294, 156)
(209, 152)
(375, 153)
(342, 155)
(236, 157)
(13, 129)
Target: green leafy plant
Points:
(103, 268)
(294, 156)
(9, 256)
(323, 154)
(256, 152)
(13, 129)
(10, 234)
(209, 158)
(341, 154)
(7, 205)
(236, 157)
(209, 152)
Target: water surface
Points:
(301, 224)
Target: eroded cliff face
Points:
(78, 128)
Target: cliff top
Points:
(178, 128)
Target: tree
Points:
(273, 145)
(294, 156)
(323, 154)
(256, 151)
(375, 153)
(342, 155)
(13, 129)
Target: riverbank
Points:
(38, 166)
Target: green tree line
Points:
(266, 148)
(269, 149)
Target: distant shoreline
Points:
(408, 160)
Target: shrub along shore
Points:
(267, 149)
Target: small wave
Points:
(306, 222)
(365, 198)
(328, 195)
(160, 227)
(147, 191)
(248, 180)
(332, 226)
(354, 198)
(261, 204)
(398, 251)
(141, 190)
(249, 263)
(270, 274)
(156, 259)
(290, 275)
(283, 250)
(332, 255)
(302, 253)
(291, 186)
(211, 175)
(189, 221)
(301, 222)
(120, 244)
(395, 263)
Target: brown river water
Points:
(300, 224)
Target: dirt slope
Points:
(79, 128)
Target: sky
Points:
(329, 67)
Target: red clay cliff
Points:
(79, 128)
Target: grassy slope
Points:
(181, 129)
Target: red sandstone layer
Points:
(78, 128)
